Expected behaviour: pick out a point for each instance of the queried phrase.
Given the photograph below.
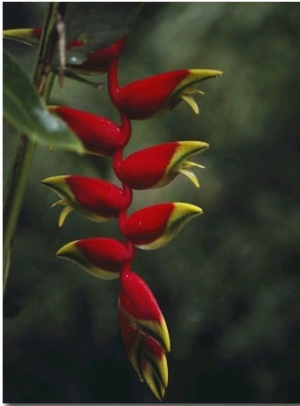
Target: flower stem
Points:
(113, 83)
(43, 80)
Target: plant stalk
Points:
(43, 79)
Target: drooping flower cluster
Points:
(142, 325)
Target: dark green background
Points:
(229, 283)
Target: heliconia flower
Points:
(154, 226)
(29, 36)
(101, 257)
(95, 198)
(99, 135)
(157, 166)
(98, 61)
(159, 94)
(144, 332)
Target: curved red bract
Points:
(98, 134)
(137, 299)
(137, 175)
(148, 224)
(147, 97)
(96, 195)
(104, 252)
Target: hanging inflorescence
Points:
(142, 325)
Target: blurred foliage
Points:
(229, 283)
(31, 115)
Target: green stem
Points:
(25, 149)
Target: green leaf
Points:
(99, 24)
(26, 110)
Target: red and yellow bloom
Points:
(99, 135)
(154, 226)
(157, 166)
(95, 198)
(101, 257)
(159, 94)
(144, 332)
(146, 356)
(137, 304)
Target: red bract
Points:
(146, 97)
(144, 332)
(99, 135)
(101, 257)
(145, 169)
(154, 226)
(157, 166)
(158, 94)
(147, 357)
(95, 198)
(138, 303)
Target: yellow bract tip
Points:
(185, 211)
(203, 74)
(25, 35)
(68, 251)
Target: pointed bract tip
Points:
(54, 180)
(68, 251)
(186, 209)
(165, 336)
(202, 74)
(30, 36)
(192, 147)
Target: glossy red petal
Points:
(147, 97)
(104, 252)
(137, 299)
(96, 195)
(148, 224)
(98, 134)
(144, 169)
(104, 258)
